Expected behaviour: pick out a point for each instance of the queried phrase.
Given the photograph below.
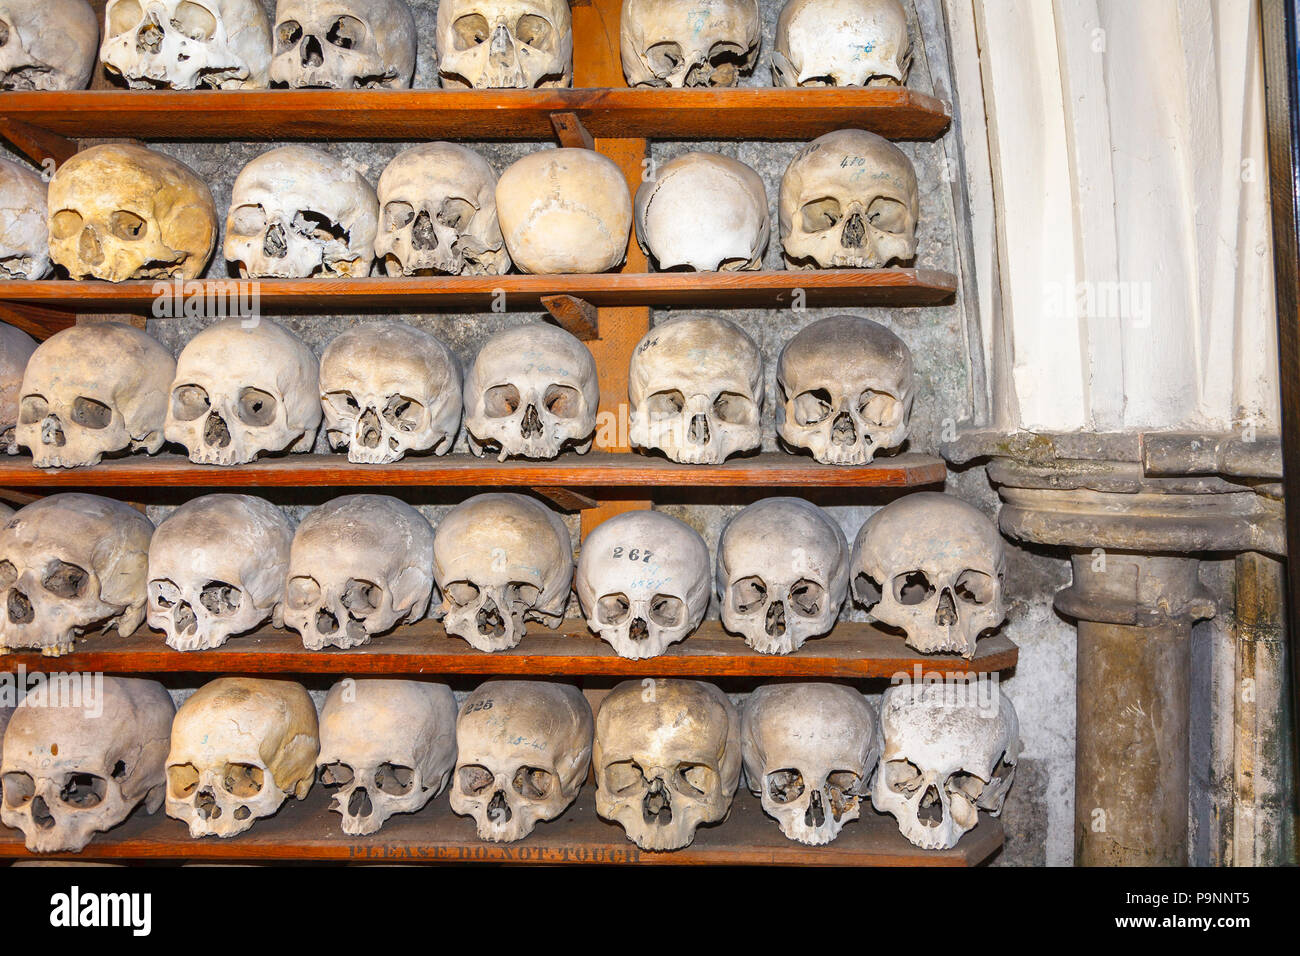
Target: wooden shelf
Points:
(308, 830)
(851, 650)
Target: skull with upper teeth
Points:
(184, 44)
(16, 348)
(682, 43)
(841, 43)
(504, 44)
(47, 44)
(24, 236)
(344, 44)
(933, 565)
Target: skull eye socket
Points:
(812, 407)
(693, 779)
(462, 593)
(903, 777)
(344, 402)
(748, 595)
(843, 782)
(613, 609)
(563, 401)
(65, 580)
(734, 409)
(523, 596)
(220, 598)
(256, 408)
(456, 213)
(474, 779)
(346, 33)
(194, 21)
(887, 215)
(403, 413)
(127, 226)
(470, 30)
(82, 791)
(242, 780)
(303, 592)
(189, 402)
(663, 404)
(8, 573)
(820, 214)
(248, 221)
(785, 786)
(913, 587)
(66, 223)
(966, 784)
(806, 597)
(164, 594)
(666, 610)
(623, 777)
(318, 227)
(534, 31)
(182, 779)
(879, 408)
(288, 33)
(19, 788)
(336, 775)
(394, 779)
(32, 409)
(124, 16)
(974, 587)
(532, 783)
(664, 58)
(501, 401)
(398, 214)
(362, 598)
(89, 413)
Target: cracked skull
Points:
(848, 198)
(532, 391)
(185, 44)
(696, 389)
(16, 348)
(121, 212)
(783, 574)
(932, 565)
(386, 389)
(500, 559)
(74, 768)
(298, 213)
(240, 746)
(47, 44)
(945, 756)
(846, 390)
(504, 44)
(217, 567)
(524, 752)
(667, 756)
(24, 236)
(841, 43)
(809, 751)
(643, 582)
(386, 747)
(92, 391)
(344, 44)
(682, 43)
(71, 563)
(241, 390)
(359, 566)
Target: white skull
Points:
(344, 44)
(688, 42)
(564, 211)
(47, 44)
(532, 391)
(298, 213)
(70, 563)
(24, 236)
(386, 389)
(386, 747)
(240, 746)
(643, 582)
(667, 756)
(498, 559)
(848, 198)
(696, 389)
(360, 565)
(74, 768)
(185, 44)
(93, 390)
(241, 390)
(120, 212)
(217, 566)
(934, 566)
(439, 214)
(703, 211)
(809, 751)
(524, 752)
(504, 44)
(846, 390)
(5, 514)
(841, 43)
(783, 574)
(944, 756)
(16, 348)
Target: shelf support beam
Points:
(575, 315)
(37, 144)
(571, 132)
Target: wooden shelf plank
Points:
(315, 115)
(307, 830)
(852, 650)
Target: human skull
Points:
(359, 566)
(76, 767)
(386, 747)
(242, 389)
(682, 43)
(504, 44)
(16, 348)
(841, 43)
(299, 213)
(93, 390)
(217, 567)
(47, 44)
(120, 211)
(703, 211)
(185, 44)
(643, 582)
(848, 198)
(532, 391)
(945, 756)
(524, 752)
(667, 756)
(696, 389)
(783, 574)
(846, 390)
(809, 751)
(439, 214)
(70, 563)
(500, 559)
(386, 389)
(932, 565)
(24, 237)
(344, 44)
(564, 210)
(5, 514)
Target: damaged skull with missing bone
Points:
(187, 44)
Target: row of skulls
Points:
(480, 44)
(123, 211)
(667, 757)
(222, 565)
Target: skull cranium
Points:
(344, 44)
(504, 44)
(841, 43)
(682, 43)
(185, 44)
(24, 236)
(16, 348)
(47, 45)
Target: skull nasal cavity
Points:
(855, 231)
(423, 236)
(843, 431)
(20, 608)
(368, 429)
(88, 248)
(775, 623)
(215, 432)
(311, 52)
(699, 430)
(149, 38)
(274, 245)
(359, 804)
(946, 615)
(532, 424)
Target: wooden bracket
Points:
(38, 322)
(566, 499)
(574, 315)
(37, 144)
(570, 131)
